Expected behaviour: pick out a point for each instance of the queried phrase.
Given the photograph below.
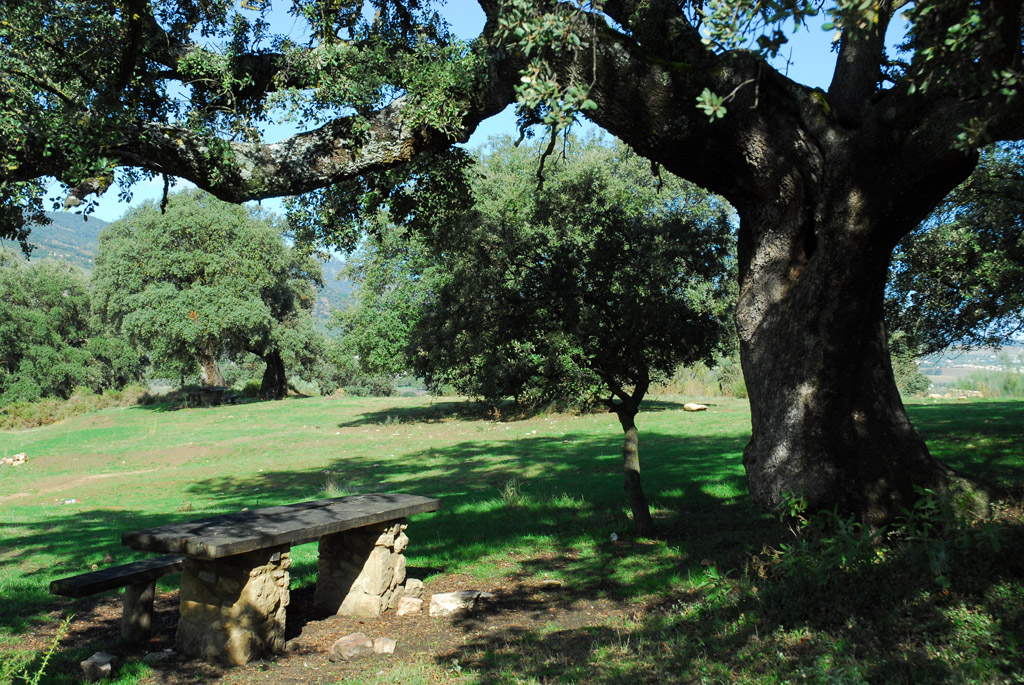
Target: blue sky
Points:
(810, 62)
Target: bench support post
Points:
(360, 571)
(233, 608)
(137, 617)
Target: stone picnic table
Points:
(209, 395)
(234, 586)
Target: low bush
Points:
(251, 388)
(994, 384)
(723, 379)
(21, 415)
(301, 387)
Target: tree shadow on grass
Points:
(886, 621)
(981, 438)
(542, 500)
(471, 410)
(566, 487)
(179, 402)
(435, 412)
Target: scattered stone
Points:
(16, 460)
(693, 406)
(413, 588)
(409, 605)
(160, 657)
(384, 645)
(398, 577)
(393, 595)
(100, 665)
(449, 603)
(362, 604)
(351, 647)
(550, 584)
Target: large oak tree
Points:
(826, 182)
(201, 279)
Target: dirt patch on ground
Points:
(429, 647)
(166, 458)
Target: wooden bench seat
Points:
(139, 581)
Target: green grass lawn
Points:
(540, 498)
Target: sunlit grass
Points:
(531, 499)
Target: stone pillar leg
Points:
(233, 609)
(358, 570)
(137, 615)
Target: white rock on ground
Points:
(384, 645)
(448, 603)
(413, 588)
(158, 657)
(350, 647)
(693, 406)
(409, 605)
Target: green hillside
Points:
(71, 237)
(335, 293)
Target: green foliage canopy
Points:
(825, 181)
(958, 279)
(49, 342)
(597, 283)
(604, 279)
(202, 279)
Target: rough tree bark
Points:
(642, 521)
(209, 370)
(275, 383)
(827, 420)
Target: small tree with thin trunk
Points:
(596, 285)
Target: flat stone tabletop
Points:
(292, 524)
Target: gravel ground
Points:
(428, 647)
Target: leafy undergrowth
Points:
(938, 598)
(21, 415)
(724, 594)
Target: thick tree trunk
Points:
(827, 420)
(275, 383)
(631, 465)
(209, 370)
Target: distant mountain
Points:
(71, 237)
(334, 295)
(74, 239)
